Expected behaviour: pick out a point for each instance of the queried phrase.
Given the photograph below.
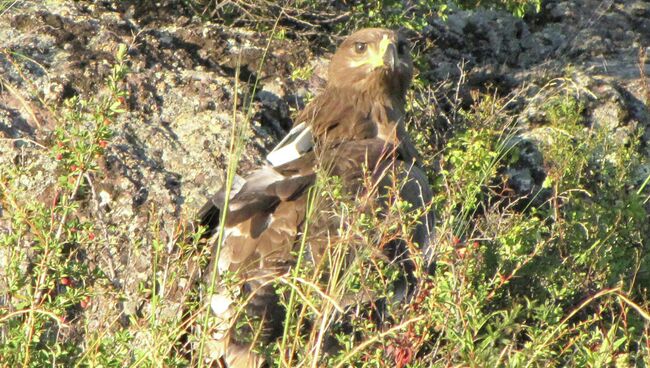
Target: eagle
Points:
(353, 130)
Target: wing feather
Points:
(353, 129)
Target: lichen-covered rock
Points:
(586, 49)
(169, 149)
(191, 80)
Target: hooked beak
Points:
(390, 57)
(386, 56)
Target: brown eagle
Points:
(354, 128)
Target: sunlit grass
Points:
(558, 282)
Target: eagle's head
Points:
(373, 59)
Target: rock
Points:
(526, 175)
(608, 116)
(521, 180)
(639, 8)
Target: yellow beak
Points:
(376, 57)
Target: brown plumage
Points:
(362, 100)
(355, 124)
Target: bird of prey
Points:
(354, 128)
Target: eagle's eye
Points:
(402, 47)
(360, 47)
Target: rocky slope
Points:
(169, 149)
